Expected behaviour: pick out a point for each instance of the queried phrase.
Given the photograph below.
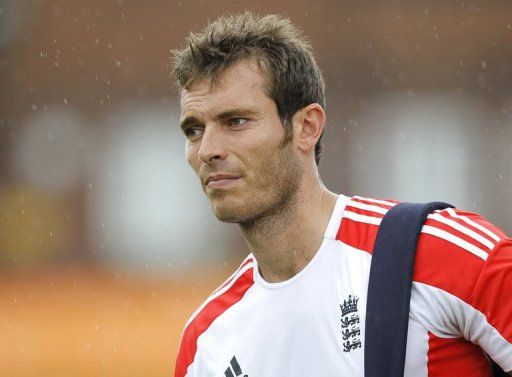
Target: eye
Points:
(192, 133)
(237, 121)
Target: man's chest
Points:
(316, 328)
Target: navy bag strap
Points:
(389, 288)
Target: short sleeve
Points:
(492, 296)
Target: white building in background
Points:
(423, 147)
(50, 150)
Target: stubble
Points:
(272, 199)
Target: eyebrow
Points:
(191, 120)
(188, 121)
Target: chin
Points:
(234, 212)
(228, 214)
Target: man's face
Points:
(235, 145)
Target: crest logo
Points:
(350, 330)
(349, 305)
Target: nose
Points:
(212, 146)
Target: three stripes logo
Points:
(234, 369)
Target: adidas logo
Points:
(234, 369)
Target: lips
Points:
(220, 180)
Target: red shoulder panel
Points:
(205, 317)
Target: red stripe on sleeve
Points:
(364, 212)
(476, 219)
(245, 263)
(448, 357)
(370, 202)
(492, 291)
(469, 239)
(357, 234)
(482, 222)
(205, 318)
(446, 266)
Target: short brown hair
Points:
(293, 78)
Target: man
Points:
(252, 100)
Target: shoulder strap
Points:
(389, 288)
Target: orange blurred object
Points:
(91, 322)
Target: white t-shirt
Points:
(313, 324)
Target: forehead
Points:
(242, 84)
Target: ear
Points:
(308, 124)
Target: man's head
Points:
(293, 79)
(249, 154)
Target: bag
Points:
(389, 289)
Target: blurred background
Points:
(107, 244)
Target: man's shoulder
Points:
(453, 247)
(222, 298)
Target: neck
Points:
(283, 243)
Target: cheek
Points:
(191, 154)
(259, 161)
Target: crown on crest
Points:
(349, 305)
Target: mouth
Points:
(221, 181)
